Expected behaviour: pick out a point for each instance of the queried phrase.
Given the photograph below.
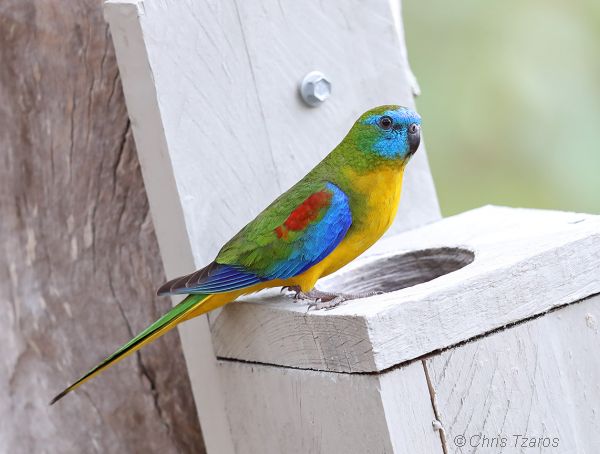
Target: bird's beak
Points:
(414, 139)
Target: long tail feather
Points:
(157, 329)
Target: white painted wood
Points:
(406, 401)
(526, 262)
(279, 410)
(537, 379)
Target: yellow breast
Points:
(381, 191)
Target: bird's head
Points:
(389, 132)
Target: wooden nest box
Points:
(488, 324)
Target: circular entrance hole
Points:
(400, 271)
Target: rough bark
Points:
(80, 257)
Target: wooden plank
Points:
(79, 254)
(537, 379)
(526, 262)
(278, 410)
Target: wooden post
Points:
(212, 95)
(80, 258)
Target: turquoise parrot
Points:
(327, 219)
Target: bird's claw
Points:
(319, 304)
(290, 288)
(298, 294)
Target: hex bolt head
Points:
(315, 88)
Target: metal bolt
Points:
(315, 88)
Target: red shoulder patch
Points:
(305, 213)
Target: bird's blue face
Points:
(395, 132)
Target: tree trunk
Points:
(81, 261)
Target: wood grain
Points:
(540, 378)
(81, 259)
(277, 410)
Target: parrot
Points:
(323, 222)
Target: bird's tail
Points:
(188, 307)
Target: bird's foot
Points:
(326, 304)
(298, 294)
(319, 299)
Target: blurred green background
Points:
(510, 100)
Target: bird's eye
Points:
(413, 128)
(385, 122)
